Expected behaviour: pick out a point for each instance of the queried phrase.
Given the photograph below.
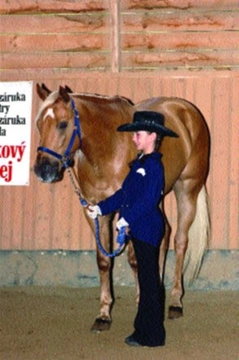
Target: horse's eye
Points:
(62, 125)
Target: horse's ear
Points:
(68, 89)
(44, 87)
(43, 91)
(64, 94)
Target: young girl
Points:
(137, 202)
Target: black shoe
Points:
(131, 341)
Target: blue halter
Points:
(66, 158)
(65, 161)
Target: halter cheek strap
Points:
(66, 158)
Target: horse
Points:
(78, 131)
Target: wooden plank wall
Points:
(180, 35)
(162, 48)
(44, 216)
(129, 35)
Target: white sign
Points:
(15, 132)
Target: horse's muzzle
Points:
(48, 171)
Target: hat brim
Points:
(159, 129)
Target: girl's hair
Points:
(158, 142)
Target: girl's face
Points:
(144, 141)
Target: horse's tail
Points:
(198, 236)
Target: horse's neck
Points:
(105, 152)
(99, 177)
(99, 120)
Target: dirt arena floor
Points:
(54, 324)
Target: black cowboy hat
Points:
(148, 121)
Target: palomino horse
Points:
(82, 128)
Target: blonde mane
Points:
(84, 96)
(97, 97)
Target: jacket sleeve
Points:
(112, 203)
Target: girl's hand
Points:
(93, 211)
(121, 223)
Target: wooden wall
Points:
(137, 49)
(129, 35)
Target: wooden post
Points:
(115, 35)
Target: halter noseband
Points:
(66, 158)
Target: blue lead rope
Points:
(120, 240)
(121, 237)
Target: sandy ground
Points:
(54, 324)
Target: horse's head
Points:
(60, 137)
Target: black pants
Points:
(148, 324)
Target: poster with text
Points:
(15, 132)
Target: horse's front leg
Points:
(103, 320)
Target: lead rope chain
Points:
(121, 235)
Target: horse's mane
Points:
(97, 98)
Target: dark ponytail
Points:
(158, 142)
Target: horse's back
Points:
(186, 156)
(183, 157)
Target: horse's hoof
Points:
(175, 312)
(101, 325)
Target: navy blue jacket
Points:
(138, 199)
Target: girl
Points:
(138, 205)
